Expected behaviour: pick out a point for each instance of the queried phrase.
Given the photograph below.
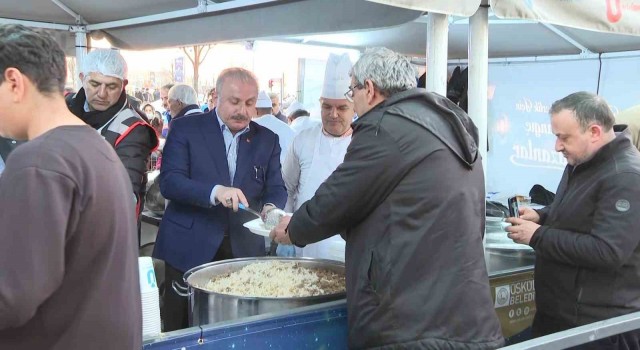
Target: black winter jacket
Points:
(410, 196)
(134, 148)
(587, 249)
(6, 146)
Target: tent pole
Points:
(178, 14)
(479, 77)
(583, 49)
(437, 49)
(81, 52)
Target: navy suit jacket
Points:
(194, 161)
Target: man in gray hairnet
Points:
(102, 103)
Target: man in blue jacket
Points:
(211, 163)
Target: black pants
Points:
(544, 325)
(176, 308)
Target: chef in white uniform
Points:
(317, 151)
(271, 122)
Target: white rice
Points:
(275, 279)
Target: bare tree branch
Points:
(209, 47)
(184, 49)
(196, 59)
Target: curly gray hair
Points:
(389, 71)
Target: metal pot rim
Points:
(263, 258)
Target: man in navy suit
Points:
(212, 162)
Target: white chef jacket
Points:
(280, 128)
(312, 157)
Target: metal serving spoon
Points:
(243, 207)
(272, 219)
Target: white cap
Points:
(106, 62)
(336, 76)
(263, 100)
(295, 106)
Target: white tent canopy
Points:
(151, 24)
(463, 8)
(507, 38)
(612, 16)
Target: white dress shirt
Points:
(231, 149)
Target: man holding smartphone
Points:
(587, 241)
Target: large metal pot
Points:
(504, 258)
(209, 307)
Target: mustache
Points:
(240, 117)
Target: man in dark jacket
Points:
(6, 146)
(410, 197)
(212, 96)
(587, 241)
(102, 103)
(183, 101)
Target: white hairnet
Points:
(295, 106)
(106, 62)
(184, 93)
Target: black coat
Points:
(6, 146)
(134, 148)
(588, 247)
(282, 117)
(410, 196)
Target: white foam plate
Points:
(257, 226)
(494, 219)
(508, 246)
(499, 240)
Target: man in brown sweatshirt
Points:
(68, 261)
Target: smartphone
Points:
(514, 206)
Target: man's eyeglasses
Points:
(349, 94)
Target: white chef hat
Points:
(106, 62)
(263, 100)
(295, 106)
(336, 76)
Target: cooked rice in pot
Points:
(277, 279)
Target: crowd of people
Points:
(145, 95)
(390, 176)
